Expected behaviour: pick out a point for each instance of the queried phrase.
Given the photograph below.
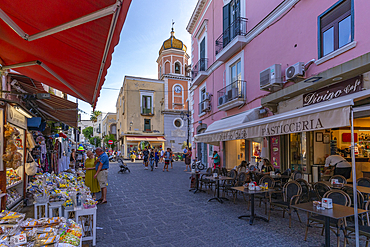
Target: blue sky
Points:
(147, 25)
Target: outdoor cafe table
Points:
(217, 179)
(252, 216)
(197, 174)
(362, 189)
(337, 212)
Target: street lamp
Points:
(185, 115)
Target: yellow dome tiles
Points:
(172, 43)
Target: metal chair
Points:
(227, 184)
(205, 181)
(338, 197)
(340, 178)
(224, 171)
(364, 229)
(240, 181)
(291, 194)
(363, 182)
(320, 188)
(217, 170)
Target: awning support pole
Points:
(354, 181)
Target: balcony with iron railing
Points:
(147, 111)
(231, 40)
(233, 95)
(198, 72)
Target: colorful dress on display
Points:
(90, 181)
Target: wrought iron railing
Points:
(238, 27)
(201, 65)
(204, 106)
(235, 90)
(147, 111)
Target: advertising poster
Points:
(275, 151)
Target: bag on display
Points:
(31, 168)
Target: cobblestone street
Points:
(156, 209)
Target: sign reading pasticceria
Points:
(335, 91)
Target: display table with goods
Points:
(69, 191)
(15, 230)
(13, 159)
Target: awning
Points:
(326, 115)
(361, 111)
(146, 138)
(67, 45)
(53, 109)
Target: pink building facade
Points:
(254, 60)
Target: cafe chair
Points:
(227, 184)
(291, 194)
(254, 176)
(217, 170)
(205, 181)
(340, 178)
(338, 197)
(364, 229)
(297, 174)
(360, 200)
(363, 182)
(306, 190)
(240, 181)
(224, 171)
(264, 197)
(320, 188)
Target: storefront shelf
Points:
(15, 184)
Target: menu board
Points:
(275, 151)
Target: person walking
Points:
(156, 158)
(90, 181)
(162, 156)
(72, 159)
(151, 160)
(188, 159)
(216, 160)
(184, 154)
(102, 166)
(145, 158)
(171, 158)
(167, 159)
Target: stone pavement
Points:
(156, 209)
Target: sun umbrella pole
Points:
(354, 180)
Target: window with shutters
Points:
(230, 24)
(146, 105)
(336, 27)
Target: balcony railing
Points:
(147, 111)
(201, 65)
(238, 27)
(236, 90)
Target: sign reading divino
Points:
(349, 86)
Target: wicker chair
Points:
(320, 188)
(297, 174)
(340, 178)
(306, 190)
(363, 182)
(227, 184)
(338, 197)
(240, 181)
(264, 197)
(224, 171)
(291, 194)
(364, 229)
(205, 181)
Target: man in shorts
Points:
(146, 158)
(101, 167)
(167, 158)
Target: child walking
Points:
(156, 158)
(151, 160)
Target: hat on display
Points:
(80, 148)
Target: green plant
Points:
(94, 115)
(88, 132)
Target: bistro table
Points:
(252, 215)
(197, 175)
(217, 179)
(337, 212)
(362, 189)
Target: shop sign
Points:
(15, 117)
(335, 91)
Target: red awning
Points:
(146, 138)
(67, 45)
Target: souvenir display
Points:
(11, 157)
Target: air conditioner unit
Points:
(271, 77)
(232, 94)
(294, 71)
(222, 100)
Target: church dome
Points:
(172, 43)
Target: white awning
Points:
(361, 111)
(325, 115)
